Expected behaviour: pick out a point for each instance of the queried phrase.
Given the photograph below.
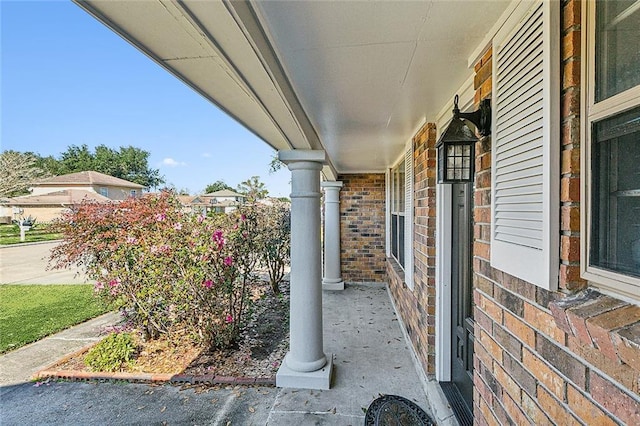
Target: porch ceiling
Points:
(353, 78)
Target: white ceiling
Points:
(354, 78)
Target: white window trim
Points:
(512, 258)
(608, 282)
(407, 154)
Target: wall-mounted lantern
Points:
(456, 146)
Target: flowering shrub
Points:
(170, 271)
(274, 241)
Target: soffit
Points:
(354, 78)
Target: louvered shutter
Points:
(524, 238)
(408, 216)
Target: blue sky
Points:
(68, 80)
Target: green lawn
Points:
(31, 312)
(10, 234)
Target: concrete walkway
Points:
(27, 264)
(360, 329)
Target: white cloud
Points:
(172, 163)
(206, 155)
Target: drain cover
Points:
(393, 410)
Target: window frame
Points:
(396, 196)
(104, 191)
(609, 282)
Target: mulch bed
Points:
(254, 359)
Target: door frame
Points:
(443, 282)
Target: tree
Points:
(128, 163)
(17, 172)
(253, 189)
(275, 164)
(218, 185)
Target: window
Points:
(397, 212)
(525, 145)
(133, 193)
(401, 214)
(104, 192)
(611, 177)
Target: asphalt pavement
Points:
(29, 264)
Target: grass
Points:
(10, 234)
(31, 312)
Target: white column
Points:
(306, 365)
(332, 274)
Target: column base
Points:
(332, 284)
(319, 379)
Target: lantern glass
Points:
(455, 161)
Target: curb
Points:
(34, 243)
(50, 372)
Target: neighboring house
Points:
(489, 278)
(223, 201)
(50, 197)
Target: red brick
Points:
(579, 314)
(570, 189)
(543, 322)
(570, 161)
(570, 218)
(627, 343)
(519, 329)
(571, 14)
(570, 104)
(533, 411)
(516, 414)
(570, 248)
(571, 44)
(600, 327)
(482, 250)
(570, 278)
(549, 378)
(489, 307)
(571, 74)
(586, 410)
(555, 409)
(614, 400)
(508, 384)
(491, 346)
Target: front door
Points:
(461, 293)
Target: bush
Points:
(113, 353)
(168, 270)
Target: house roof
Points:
(87, 178)
(64, 197)
(223, 193)
(357, 80)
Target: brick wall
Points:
(417, 306)
(362, 227)
(542, 357)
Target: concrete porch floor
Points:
(371, 357)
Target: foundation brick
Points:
(586, 409)
(614, 400)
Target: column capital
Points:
(295, 155)
(337, 184)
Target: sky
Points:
(66, 79)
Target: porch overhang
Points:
(355, 79)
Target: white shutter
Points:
(408, 216)
(387, 219)
(525, 216)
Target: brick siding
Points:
(417, 306)
(541, 357)
(362, 227)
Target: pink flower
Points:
(228, 261)
(201, 218)
(114, 283)
(160, 217)
(228, 319)
(98, 286)
(218, 238)
(243, 217)
(208, 283)
(177, 226)
(132, 240)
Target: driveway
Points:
(27, 264)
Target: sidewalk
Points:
(360, 328)
(20, 365)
